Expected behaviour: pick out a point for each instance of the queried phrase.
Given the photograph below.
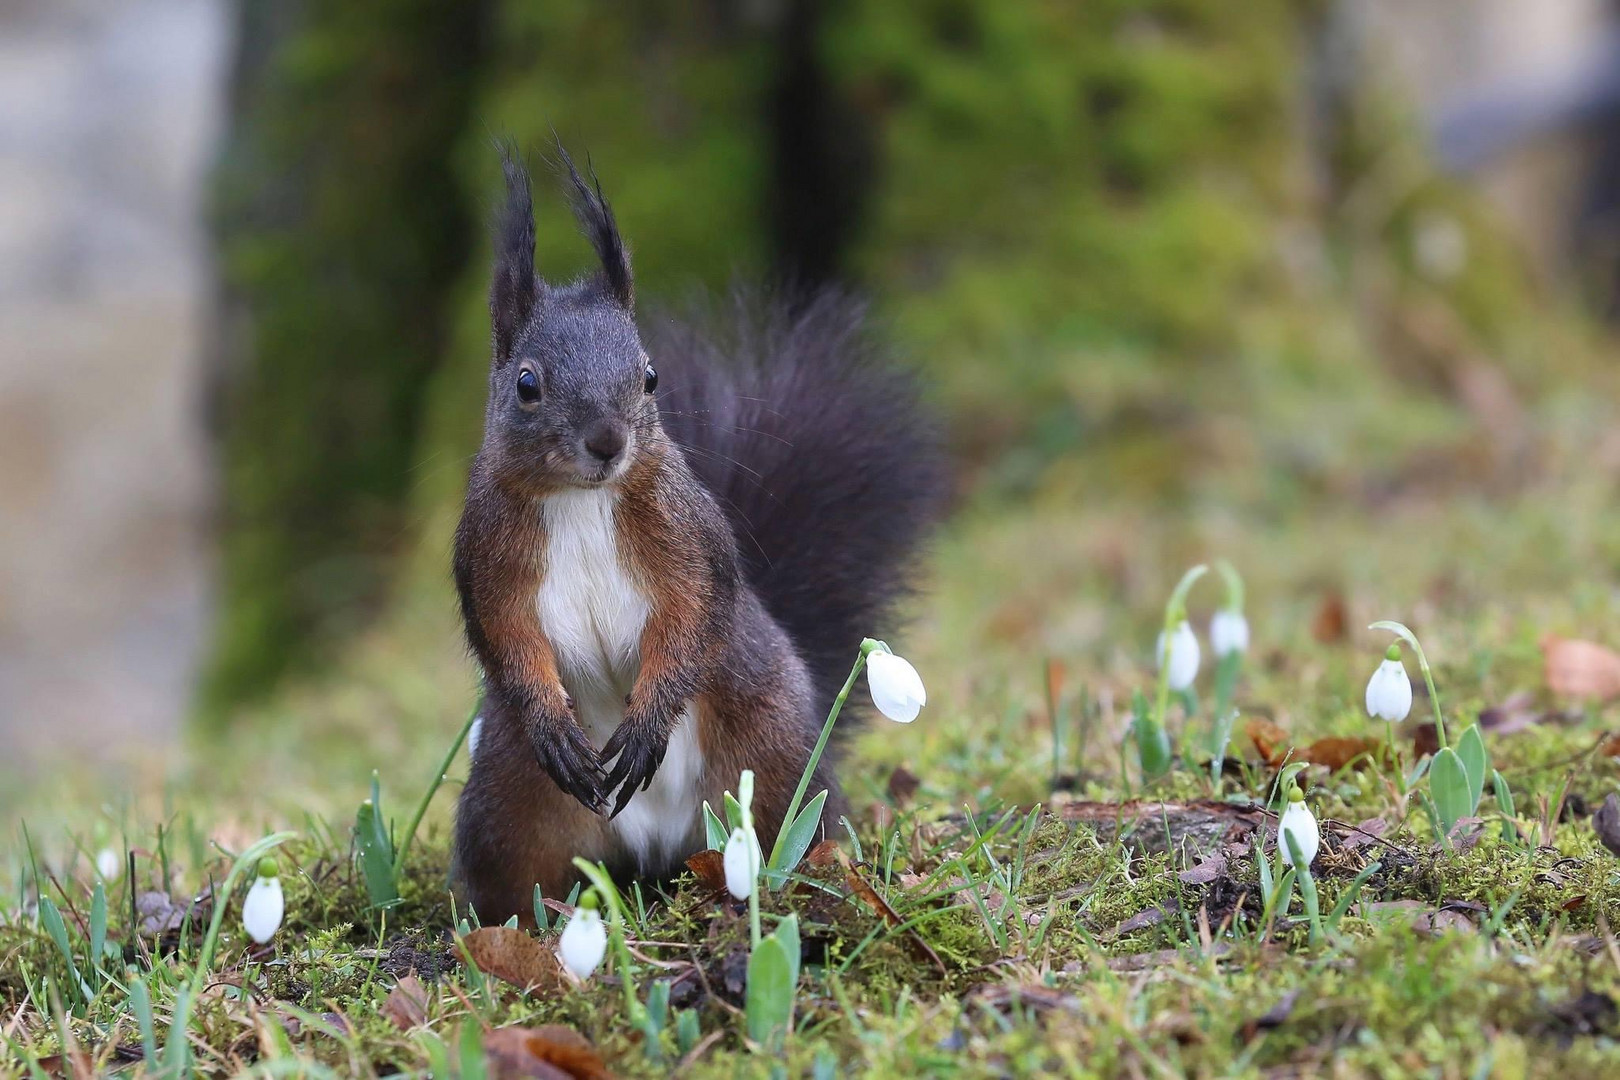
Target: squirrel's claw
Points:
(640, 752)
(572, 763)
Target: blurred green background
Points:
(1318, 285)
(1133, 246)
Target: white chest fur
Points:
(593, 613)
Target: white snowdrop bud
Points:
(1228, 632)
(108, 864)
(1298, 821)
(1389, 691)
(584, 940)
(263, 908)
(1184, 656)
(741, 864)
(897, 689)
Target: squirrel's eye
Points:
(652, 379)
(528, 387)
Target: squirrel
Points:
(670, 550)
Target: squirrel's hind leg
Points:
(515, 828)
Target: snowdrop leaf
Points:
(714, 830)
(1152, 744)
(769, 997)
(799, 835)
(98, 931)
(1504, 794)
(1449, 786)
(1471, 750)
(734, 814)
(376, 855)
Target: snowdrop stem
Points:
(867, 646)
(1410, 638)
(248, 860)
(753, 910)
(1174, 612)
(1395, 762)
(427, 796)
(1234, 584)
(616, 917)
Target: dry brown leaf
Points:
(1152, 916)
(406, 1006)
(1274, 1017)
(902, 786)
(1606, 822)
(891, 918)
(1368, 832)
(1205, 872)
(1580, 669)
(551, 1052)
(513, 956)
(823, 854)
(710, 867)
(1331, 623)
(1269, 740)
(1337, 751)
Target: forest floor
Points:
(1017, 899)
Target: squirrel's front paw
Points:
(572, 762)
(640, 749)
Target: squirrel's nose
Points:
(604, 440)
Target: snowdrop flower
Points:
(584, 939)
(108, 864)
(1298, 821)
(741, 863)
(473, 734)
(1228, 632)
(1389, 691)
(1183, 656)
(897, 689)
(263, 908)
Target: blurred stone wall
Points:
(108, 112)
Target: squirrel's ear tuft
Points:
(514, 290)
(596, 219)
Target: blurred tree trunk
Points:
(341, 230)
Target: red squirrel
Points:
(671, 548)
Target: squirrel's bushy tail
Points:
(820, 453)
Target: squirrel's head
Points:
(571, 389)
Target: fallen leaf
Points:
(891, 918)
(406, 1005)
(1592, 1013)
(513, 956)
(1425, 741)
(1606, 823)
(1153, 916)
(1517, 713)
(709, 866)
(1040, 999)
(551, 1052)
(1274, 1017)
(902, 786)
(1368, 832)
(823, 854)
(1205, 872)
(1269, 740)
(1337, 751)
(1466, 834)
(1580, 669)
(1331, 623)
